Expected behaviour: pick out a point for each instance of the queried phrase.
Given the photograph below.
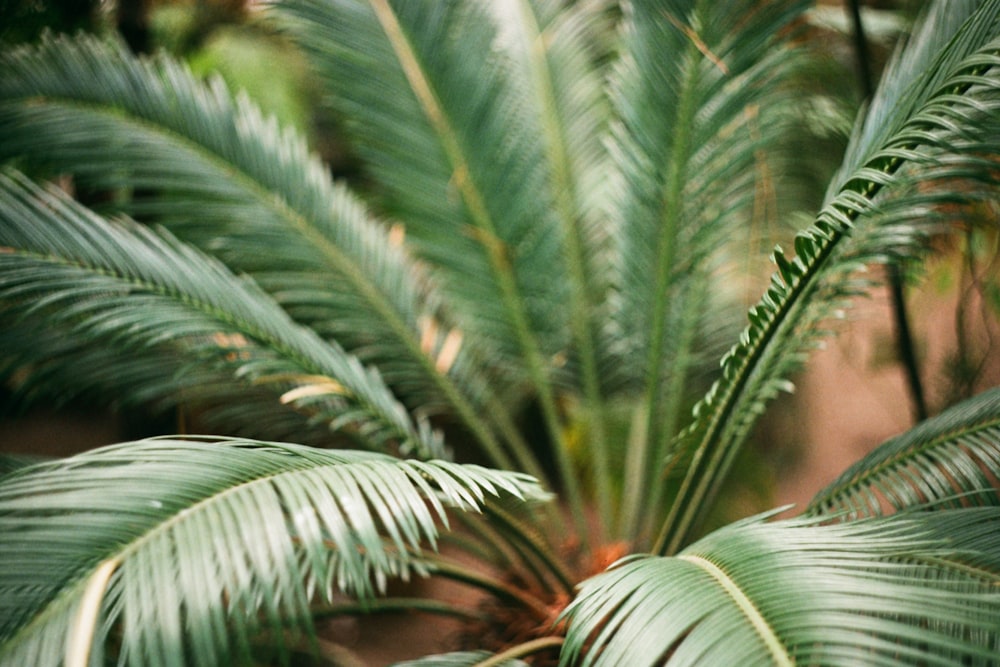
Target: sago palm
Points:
(545, 225)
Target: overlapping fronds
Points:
(888, 591)
(556, 81)
(690, 78)
(692, 92)
(120, 286)
(439, 129)
(952, 460)
(534, 263)
(945, 126)
(213, 170)
(167, 551)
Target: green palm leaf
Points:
(889, 591)
(689, 90)
(942, 129)
(220, 175)
(12, 462)
(457, 157)
(444, 140)
(551, 48)
(119, 286)
(948, 461)
(179, 550)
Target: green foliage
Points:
(533, 273)
(323, 522)
(797, 592)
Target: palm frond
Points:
(887, 591)
(691, 90)
(459, 659)
(435, 121)
(180, 550)
(121, 286)
(911, 66)
(435, 111)
(942, 134)
(558, 83)
(10, 463)
(218, 174)
(951, 460)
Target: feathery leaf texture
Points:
(692, 92)
(951, 460)
(219, 175)
(904, 590)
(541, 224)
(942, 132)
(440, 130)
(123, 283)
(193, 545)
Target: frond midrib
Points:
(869, 476)
(205, 307)
(660, 417)
(489, 239)
(337, 260)
(124, 550)
(565, 194)
(284, 348)
(798, 280)
(747, 608)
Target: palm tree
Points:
(543, 227)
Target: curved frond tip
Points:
(184, 550)
(950, 460)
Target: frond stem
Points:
(495, 251)
(711, 460)
(537, 548)
(564, 189)
(521, 650)
(670, 211)
(674, 399)
(504, 591)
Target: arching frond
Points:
(120, 286)
(433, 114)
(942, 129)
(951, 460)
(10, 463)
(172, 551)
(219, 175)
(439, 116)
(911, 66)
(888, 591)
(692, 92)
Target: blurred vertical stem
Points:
(900, 316)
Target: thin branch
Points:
(900, 316)
(521, 650)
(501, 589)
